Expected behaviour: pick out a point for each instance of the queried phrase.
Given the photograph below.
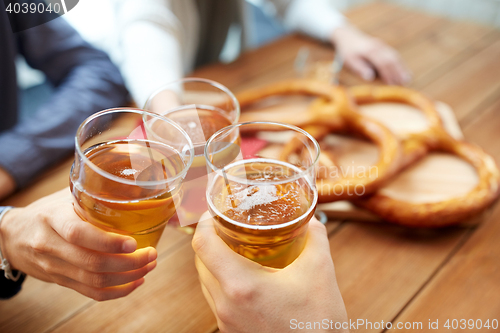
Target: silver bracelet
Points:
(4, 264)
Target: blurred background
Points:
(91, 23)
(481, 11)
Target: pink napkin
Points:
(251, 146)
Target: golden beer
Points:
(136, 200)
(262, 208)
(200, 124)
(200, 107)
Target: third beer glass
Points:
(201, 107)
(262, 195)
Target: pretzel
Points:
(334, 111)
(331, 112)
(415, 146)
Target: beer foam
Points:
(129, 172)
(256, 196)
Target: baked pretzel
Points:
(334, 112)
(415, 146)
(331, 112)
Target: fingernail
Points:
(129, 246)
(152, 255)
(151, 266)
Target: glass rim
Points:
(142, 113)
(190, 107)
(200, 80)
(291, 127)
(266, 227)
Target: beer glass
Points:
(201, 107)
(262, 189)
(128, 169)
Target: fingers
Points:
(209, 299)
(102, 262)
(382, 65)
(402, 71)
(55, 266)
(210, 286)
(205, 275)
(94, 261)
(225, 264)
(316, 252)
(389, 65)
(364, 54)
(100, 294)
(361, 67)
(75, 231)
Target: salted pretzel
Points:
(415, 146)
(331, 112)
(334, 112)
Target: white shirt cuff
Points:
(316, 18)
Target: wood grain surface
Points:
(385, 272)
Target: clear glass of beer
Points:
(128, 170)
(261, 192)
(201, 107)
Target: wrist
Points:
(5, 219)
(340, 32)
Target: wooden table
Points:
(385, 272)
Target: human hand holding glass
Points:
(47, 240)
(247, 297)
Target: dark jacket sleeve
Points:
(10, 288)
(86, 82)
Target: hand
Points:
(366, 56)
(248, 297)
(7, 184)
(48, 241)
(163, 102)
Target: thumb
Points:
(220, 260)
